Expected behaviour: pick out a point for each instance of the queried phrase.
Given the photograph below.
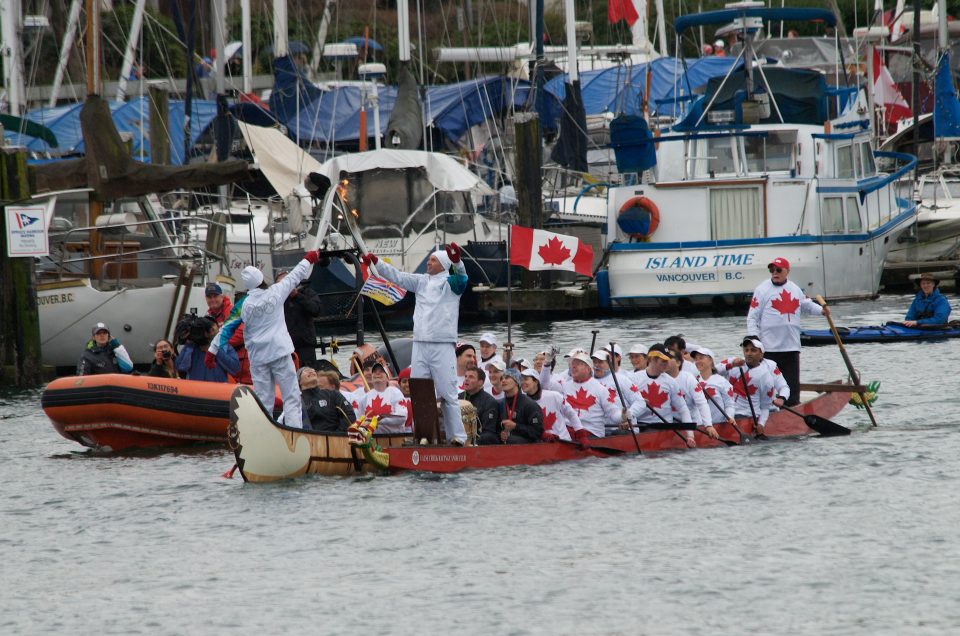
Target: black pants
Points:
(789, 363)
(307, 356)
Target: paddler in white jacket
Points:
(774, 317)
(435, 321)
(265, 336)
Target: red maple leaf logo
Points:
(612, 397)
(582, 401)
(549, 419)
(554, 252)
(738, 386)
(710, 391)
(654, 396)
(355, 405)
(785, 303)
(776, 371)
(377, 407)
(634, 388)
(753, 303)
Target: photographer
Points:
(162, 366)
(190, 363)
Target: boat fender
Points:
(639, 218)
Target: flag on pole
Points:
(886, 94)
(539, 250)
(382, 290)
(622, 10)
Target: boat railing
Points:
(873, 190)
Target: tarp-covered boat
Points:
(121, 412)
(888, 332)
(268, 452)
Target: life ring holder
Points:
(639, 218)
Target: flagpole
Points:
(508, 346)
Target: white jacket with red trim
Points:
(692, 395)
(718, 388)
(558, 415)
(774, 315)
(661, 393)
(760, 383)
(390, 405)
(591, 401)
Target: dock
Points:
(901, 277)
(565, 301)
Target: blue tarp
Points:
(131, 117)
(620, 89)
(725, 16)
(946, 111)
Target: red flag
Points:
(886, 95)
(539, 250)
(621, 10)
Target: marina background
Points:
(850, 535)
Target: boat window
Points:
(139, 224)
(866, 157)
(772, 153)
(722, 156)
(844, 167)
(736, 213)
(854, 224)
(831, 215)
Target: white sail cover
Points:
(282, 162)
(443, 171)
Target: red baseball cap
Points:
(780, 262)
(404, 374)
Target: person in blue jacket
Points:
(929, 306)
(191, 363)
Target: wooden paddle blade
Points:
(728, 442)
(825, 427)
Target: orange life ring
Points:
(639, 218)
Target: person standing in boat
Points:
(929, 306)
(218, 305)
(163, 357)
(265, 335)
(103, 354)
(774, 316)
(299, 310)
(435, 321)
(488, 409)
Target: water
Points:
(852, 535)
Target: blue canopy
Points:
(723, 16)
(620, 89)
(360, 41)
(946, 110)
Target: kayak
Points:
(888, 332)
(266, 451)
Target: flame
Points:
(355, 214)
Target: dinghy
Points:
(888, 332)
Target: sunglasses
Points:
(776, 270)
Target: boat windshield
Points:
(773, 153)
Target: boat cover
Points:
(443, 171)
(282, 162)
(946, 112)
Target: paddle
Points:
(822, 425)
(846, 360)
(753, 413)
(666, 426)
(605, 450)
(593, 342)
(743, 438)
(616, 383)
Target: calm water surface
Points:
(852, 535)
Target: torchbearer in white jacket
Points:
(435, 322)
(266, 338)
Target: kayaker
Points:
(163, 356)
(521, 419)
(269, 346)
(193, 358)
(435, 322)
(488, 409)
(560, 421)
(582, 391)
(692, 394)
(103, 354)
(488, 350)
(714, 386)
(929, 306)
(299, 310)
(774, 317)
(218, 305)
(385, 401)
(756, 379)
(659, 392)
(324, 407)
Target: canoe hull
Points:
(884, 333)
(118, 412)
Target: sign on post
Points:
(26, 231)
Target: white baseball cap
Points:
(754, 341)
(489, 338)
(496, 364)
(573, 352)
(639, 348)
(531, 373)
(617, 350)
(582, 356)
(601, 354)
(701, 350)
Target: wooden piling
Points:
(528, 182)
(19, 320)
(159, 123)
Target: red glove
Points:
(453, 251)
(210, 360)
(312, 256)
(369, 259)
(582, 437)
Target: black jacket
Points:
(298, 312)
(322, 410)
(158, 371)
(488, 411)
(527, 415)
(95, 360)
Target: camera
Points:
(193, 329)
(167, 354)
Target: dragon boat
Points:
(266, 451)
(888, 332)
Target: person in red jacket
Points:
(218, 305)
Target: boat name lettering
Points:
(424, 457)
(165, 388)
(718, 260)
(55, 299)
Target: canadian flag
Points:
(886, 95)
(621, 10)
(539, 250)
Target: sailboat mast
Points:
(93, 47)
(65, 48)
(245, 49)
(280, 40)
(12, 25)
(136, 25)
